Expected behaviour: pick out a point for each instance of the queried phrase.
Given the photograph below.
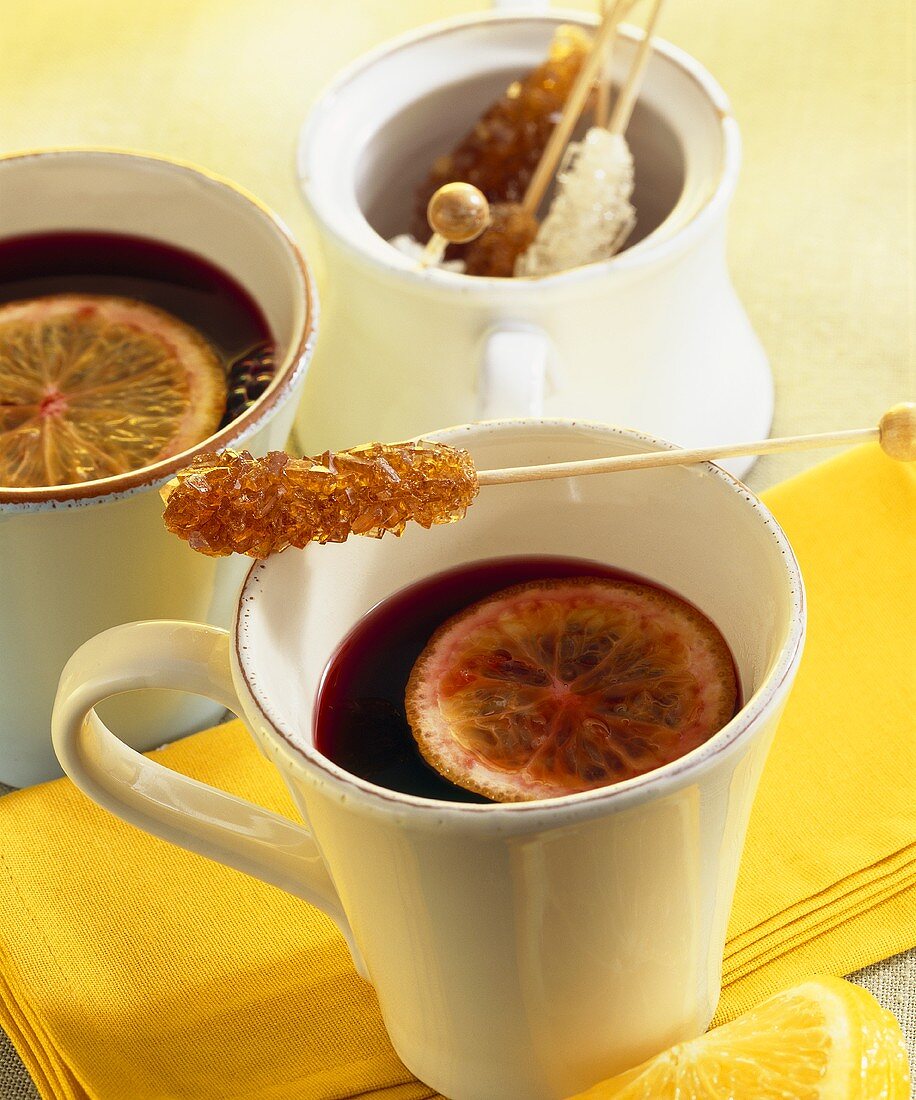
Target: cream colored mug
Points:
(79, 558)
(519, 951)
(655, 337)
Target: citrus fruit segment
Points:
(558, 686)
(92, 386)
(825, 1039)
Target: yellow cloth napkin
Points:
(828, 878)
(131, 969)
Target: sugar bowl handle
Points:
(515, 372)
(194, 658)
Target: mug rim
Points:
(288, 374)
(612, 797)
(626, 263)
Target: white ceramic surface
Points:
(78, 559)
(520, 951)
(656, 337)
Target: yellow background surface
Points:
(823, 229)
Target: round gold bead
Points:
(459, 212)
(897, 432)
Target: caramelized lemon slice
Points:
(826, 1039)
(92, 386)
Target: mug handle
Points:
(194, 658)
(514, 373)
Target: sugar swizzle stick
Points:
(503, 146)
(514, 225)
(231, 503)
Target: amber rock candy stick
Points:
(232, 503)
(501, 152)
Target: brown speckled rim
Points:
(507, 815)
(289, 371)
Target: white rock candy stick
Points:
(591, 215)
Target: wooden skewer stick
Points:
(575, 103)
(896, 434)
(629, 92)
(603, 88)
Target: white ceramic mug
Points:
(519, 951)
(77, 559)
(655, 337)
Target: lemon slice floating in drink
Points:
(92, 386)
(825, 1039)
(559, 686)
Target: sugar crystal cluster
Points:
(233, 503)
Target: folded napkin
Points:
(132, 970)
(828, 878)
